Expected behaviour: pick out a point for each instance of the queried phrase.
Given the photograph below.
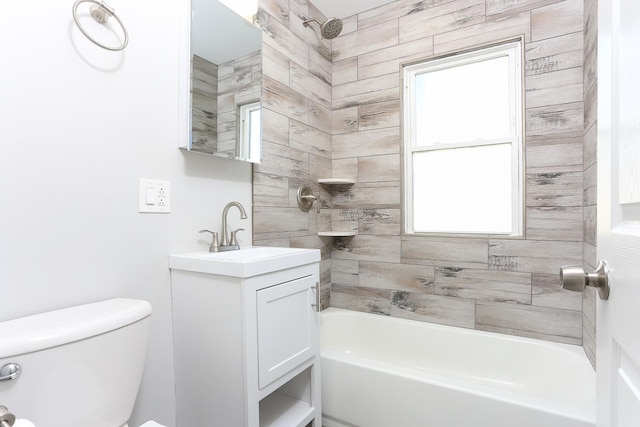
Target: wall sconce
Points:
(245, 8)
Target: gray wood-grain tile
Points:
(382, 275)
(445, 251)
(547, 292)
(557, 19)
(368, 248)
(530, 321)
(484, 285)
(433, 308)
(367, 300)
(539, 256)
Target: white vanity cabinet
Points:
(246, 342)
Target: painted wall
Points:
(79, 126)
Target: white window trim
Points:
(514, 51)
(244, 130)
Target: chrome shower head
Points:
(329, 29)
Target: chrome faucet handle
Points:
(7, 419)
(9, 372)
(215, 244)
(234, 241)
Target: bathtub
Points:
(379, 371)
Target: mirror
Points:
(225, 83)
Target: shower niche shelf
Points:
(336, 181)
(337, 233)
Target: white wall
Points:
(79, 126)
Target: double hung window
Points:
(463, 143)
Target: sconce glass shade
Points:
(244, 8)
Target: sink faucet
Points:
(227, 244)
(231, 244)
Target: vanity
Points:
(246, 337)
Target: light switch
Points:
(150, 196)
(154, 196)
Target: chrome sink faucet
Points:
(227, 243)
(231, 243)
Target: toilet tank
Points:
(80, 366)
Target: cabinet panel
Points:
(286, 328)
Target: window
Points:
(249, 132)
(463, 143)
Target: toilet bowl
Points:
(76, 367)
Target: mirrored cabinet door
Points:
(222, 83)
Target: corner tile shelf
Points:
(336, 181)
(337, 233)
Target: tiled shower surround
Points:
(333, 109)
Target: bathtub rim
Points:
(574, 349)
(580, 410)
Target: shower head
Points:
(329, 29)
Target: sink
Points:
(250, 254)
(246, 262)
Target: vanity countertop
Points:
(246, 262)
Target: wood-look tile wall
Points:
(204, 105)
(334, 109)
(296, 132)
(504, 285)
(217, 91)
(590, 121)
(239, 83)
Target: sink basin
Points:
(250, 254)
(246, 262)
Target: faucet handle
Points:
(215, 244)
(6, 418)
(233, 240)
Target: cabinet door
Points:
(287, 328)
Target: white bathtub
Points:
(379, 371)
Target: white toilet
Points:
(78, 367)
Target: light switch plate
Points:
(154, 196)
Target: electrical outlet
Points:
(154, 196)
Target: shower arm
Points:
(306, 21)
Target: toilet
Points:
(78, 367)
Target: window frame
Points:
(514, 51)
(245, 149)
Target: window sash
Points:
(514, 196)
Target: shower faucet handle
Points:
(306, 198)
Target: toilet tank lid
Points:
(59, 327)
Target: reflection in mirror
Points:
(226, 60)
